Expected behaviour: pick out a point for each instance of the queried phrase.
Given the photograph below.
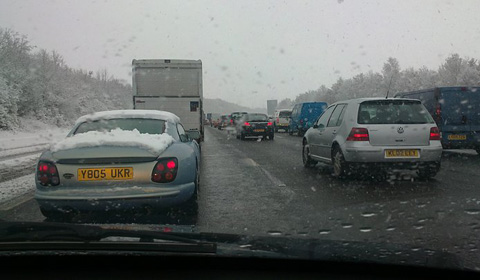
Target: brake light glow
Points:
(246, 124)
(358, 134)
(165, 171)
(434, 133)
(47, 174)
(269, 124)
(438, 111)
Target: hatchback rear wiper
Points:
(24, 234)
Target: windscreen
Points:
(393, 112)
(145, 126)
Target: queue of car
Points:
(128, 159)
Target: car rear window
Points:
(257, 117)
(145, 126)
(238, 115)
(285, 114)
(393, 112)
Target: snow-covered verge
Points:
(31, 132)
(16, 187)
(154, 143)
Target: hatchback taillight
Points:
(269, 123)
(47, 174)
(434, 133)
(246, 124)
(165, 171)
(358, 134)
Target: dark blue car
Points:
(456, 111)
(304, 115)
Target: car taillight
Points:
(231, 120)
(269, 124)
(358, 134)
(165, 171)
(434, 133)
(438, 113)
(47, 174)
(246, 124)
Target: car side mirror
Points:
(315, 126)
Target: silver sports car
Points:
(119, 160)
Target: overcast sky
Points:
(251, 50)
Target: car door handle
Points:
(334, 132)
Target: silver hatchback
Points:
(374, 134)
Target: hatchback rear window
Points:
(144, 126)
(257, 117)
(284, 114)
(393, 112)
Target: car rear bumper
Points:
(88, 201)
(372, 154)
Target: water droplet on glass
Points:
(324, 231)
(347, 225)
(365, 229)
(418, 226)
(274, 233)
(368, 214)
(390, 228)
(472, 211)
(416, 249)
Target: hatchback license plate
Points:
(99, 174)
(258, 130)
(457, 137)
(402, 154)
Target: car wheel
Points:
(478, 151)
(290, 132)
(271, 136)
(340, 166)
(308, 162)
(276, 129)
(301, 132)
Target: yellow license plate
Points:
(457, 137)
(402, 154)
(99, 174)
(258, 130)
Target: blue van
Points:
(304, 115)
(456, 110)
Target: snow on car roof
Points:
(144, 114)
(154, 143)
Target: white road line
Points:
(273, 179)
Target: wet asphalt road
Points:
(261, 188)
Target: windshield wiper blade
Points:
(34, 231)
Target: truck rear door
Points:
(187, 109)
(460, 111)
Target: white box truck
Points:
(171, 85)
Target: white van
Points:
(281, 119)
